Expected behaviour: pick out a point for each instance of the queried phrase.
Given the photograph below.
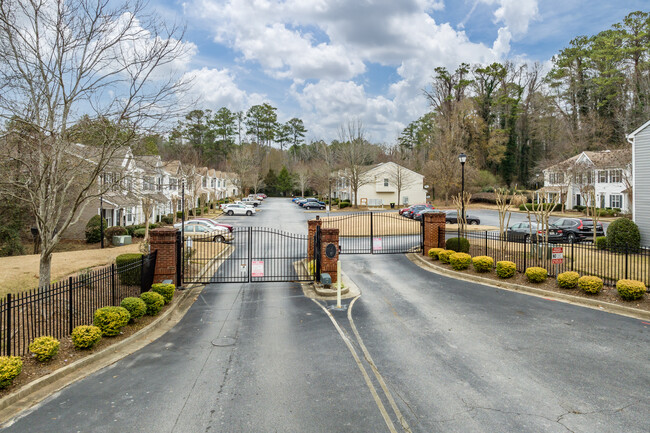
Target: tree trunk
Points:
(44, 269)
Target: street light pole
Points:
(329, 196)
(101, 220)
(462, 158)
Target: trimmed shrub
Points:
(167, 219)
(10, 367)
(568, 280)
(165, 290)
(460, 261)
(483, 263)
(444, 255)
(433, 252)
(139, 233)
(111, 320)
(86, 336)
(93, 232)
(536, 274)
(630, 289)
(135, 306)
(601, 242)
(44, 348)
(590, 284)
(154, 302)
(128, 271)
(114, 231)
(623, 235)
(506, 269)
(460, 245)
(344, 204)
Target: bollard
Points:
(338, 284)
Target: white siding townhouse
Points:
(640, 140)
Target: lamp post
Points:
(101, 220)
(462, 158)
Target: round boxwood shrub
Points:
(506, 269)
(568, 280)
(44, 348)
(135, 306)
(139, 233)
(590, 284)
(10, 367)
(601, 242)
(86, 336)
(433, 252)
(154, 302)
(623, 235)
(111, 320)
(483, 263)
(128, 268)
(630, 289)
(444, 255)
(165, 290)
(536, 274)
(93, 232)
(114, 231)
(460, 261)
(459, 245)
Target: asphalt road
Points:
(416, 352)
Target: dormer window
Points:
(385, 182)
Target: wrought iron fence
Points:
(583, 258)
(56, 309)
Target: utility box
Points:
(118, 241)
(326, 279)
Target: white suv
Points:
(238, 209)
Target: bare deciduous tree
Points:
(401, 177)
(241, 162)
(355, 154)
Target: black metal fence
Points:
(583, 258)
(56, 309)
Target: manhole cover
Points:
(224, 342)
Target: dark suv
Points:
(578, 229)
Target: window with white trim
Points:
(602, 176)
(385, 182)
(615, 176)
(616, 200)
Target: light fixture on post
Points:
(101, 220)
(462, 158)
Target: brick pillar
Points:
(328, 266)
(312, 224)
(163, 240)
(434, 231)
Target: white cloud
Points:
(515, 14)
(215, 88)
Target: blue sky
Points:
(332, 61)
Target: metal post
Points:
(179, 259)
(113, 283)
(626, 260)
(338, 284)
(317, 253)
(8, 330)
(372, 250)
(70, 309)
(525, 253)
(183, 227)
(572, 256)
(486, 243)
(462, 196)
(422, 234)
(101, 220)
(250, 253)
(329, 197)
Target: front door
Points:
(578, 200)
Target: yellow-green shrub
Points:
(135, 306)
(165, 290)
(483, 263)
(460, 261)
(590, 284)
(154, 302)
(536, 274)
(433, 252)
(111, 320)
(44, 348)
(445, 254)
(506, 269)
(10, 367)
(568, 280)
(630, 289)
(86, 336)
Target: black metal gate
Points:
(377, 233)
(253, 255)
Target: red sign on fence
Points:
(558, 256)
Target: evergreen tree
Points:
(284, 182)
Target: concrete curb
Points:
(38, 390)
(571, 299)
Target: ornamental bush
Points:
(111, 320)
(483, 263)
(165, 290)
(568, 280)
(536, 274)
(10, 367)
(630, 289)
(444, 255)
(623, 235)
(601, 242)
(128, 269)
(44, 348)
(114, 231)
(590, 284)
(433, 252)
(135, 306)
(86, 336)
(93, 231)
(460, 261)
(459, 245)
(154, 302)
(139, 233)
(506, 269)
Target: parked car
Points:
(410, 213)
(215, 222)
(418, 216)
(521, 232)
(205, 222)
(198, 231)
(250, 201)
(404, 209)
(452, 218)
(578, 229)
(239, 209)
(295, 199)
(314, 205)
(223, 205)
(302, 202)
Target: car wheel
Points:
(571, 238)
(249, 213)
(230, 213)
(526, 239)
(447, 222)
(219, 239)
(473, 223)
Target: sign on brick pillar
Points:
(163, 240)
(312, 224)
(434, 230)
(328, 264)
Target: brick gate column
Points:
(312, 224)
(328, 266)
(163, 240)
(434, 231)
